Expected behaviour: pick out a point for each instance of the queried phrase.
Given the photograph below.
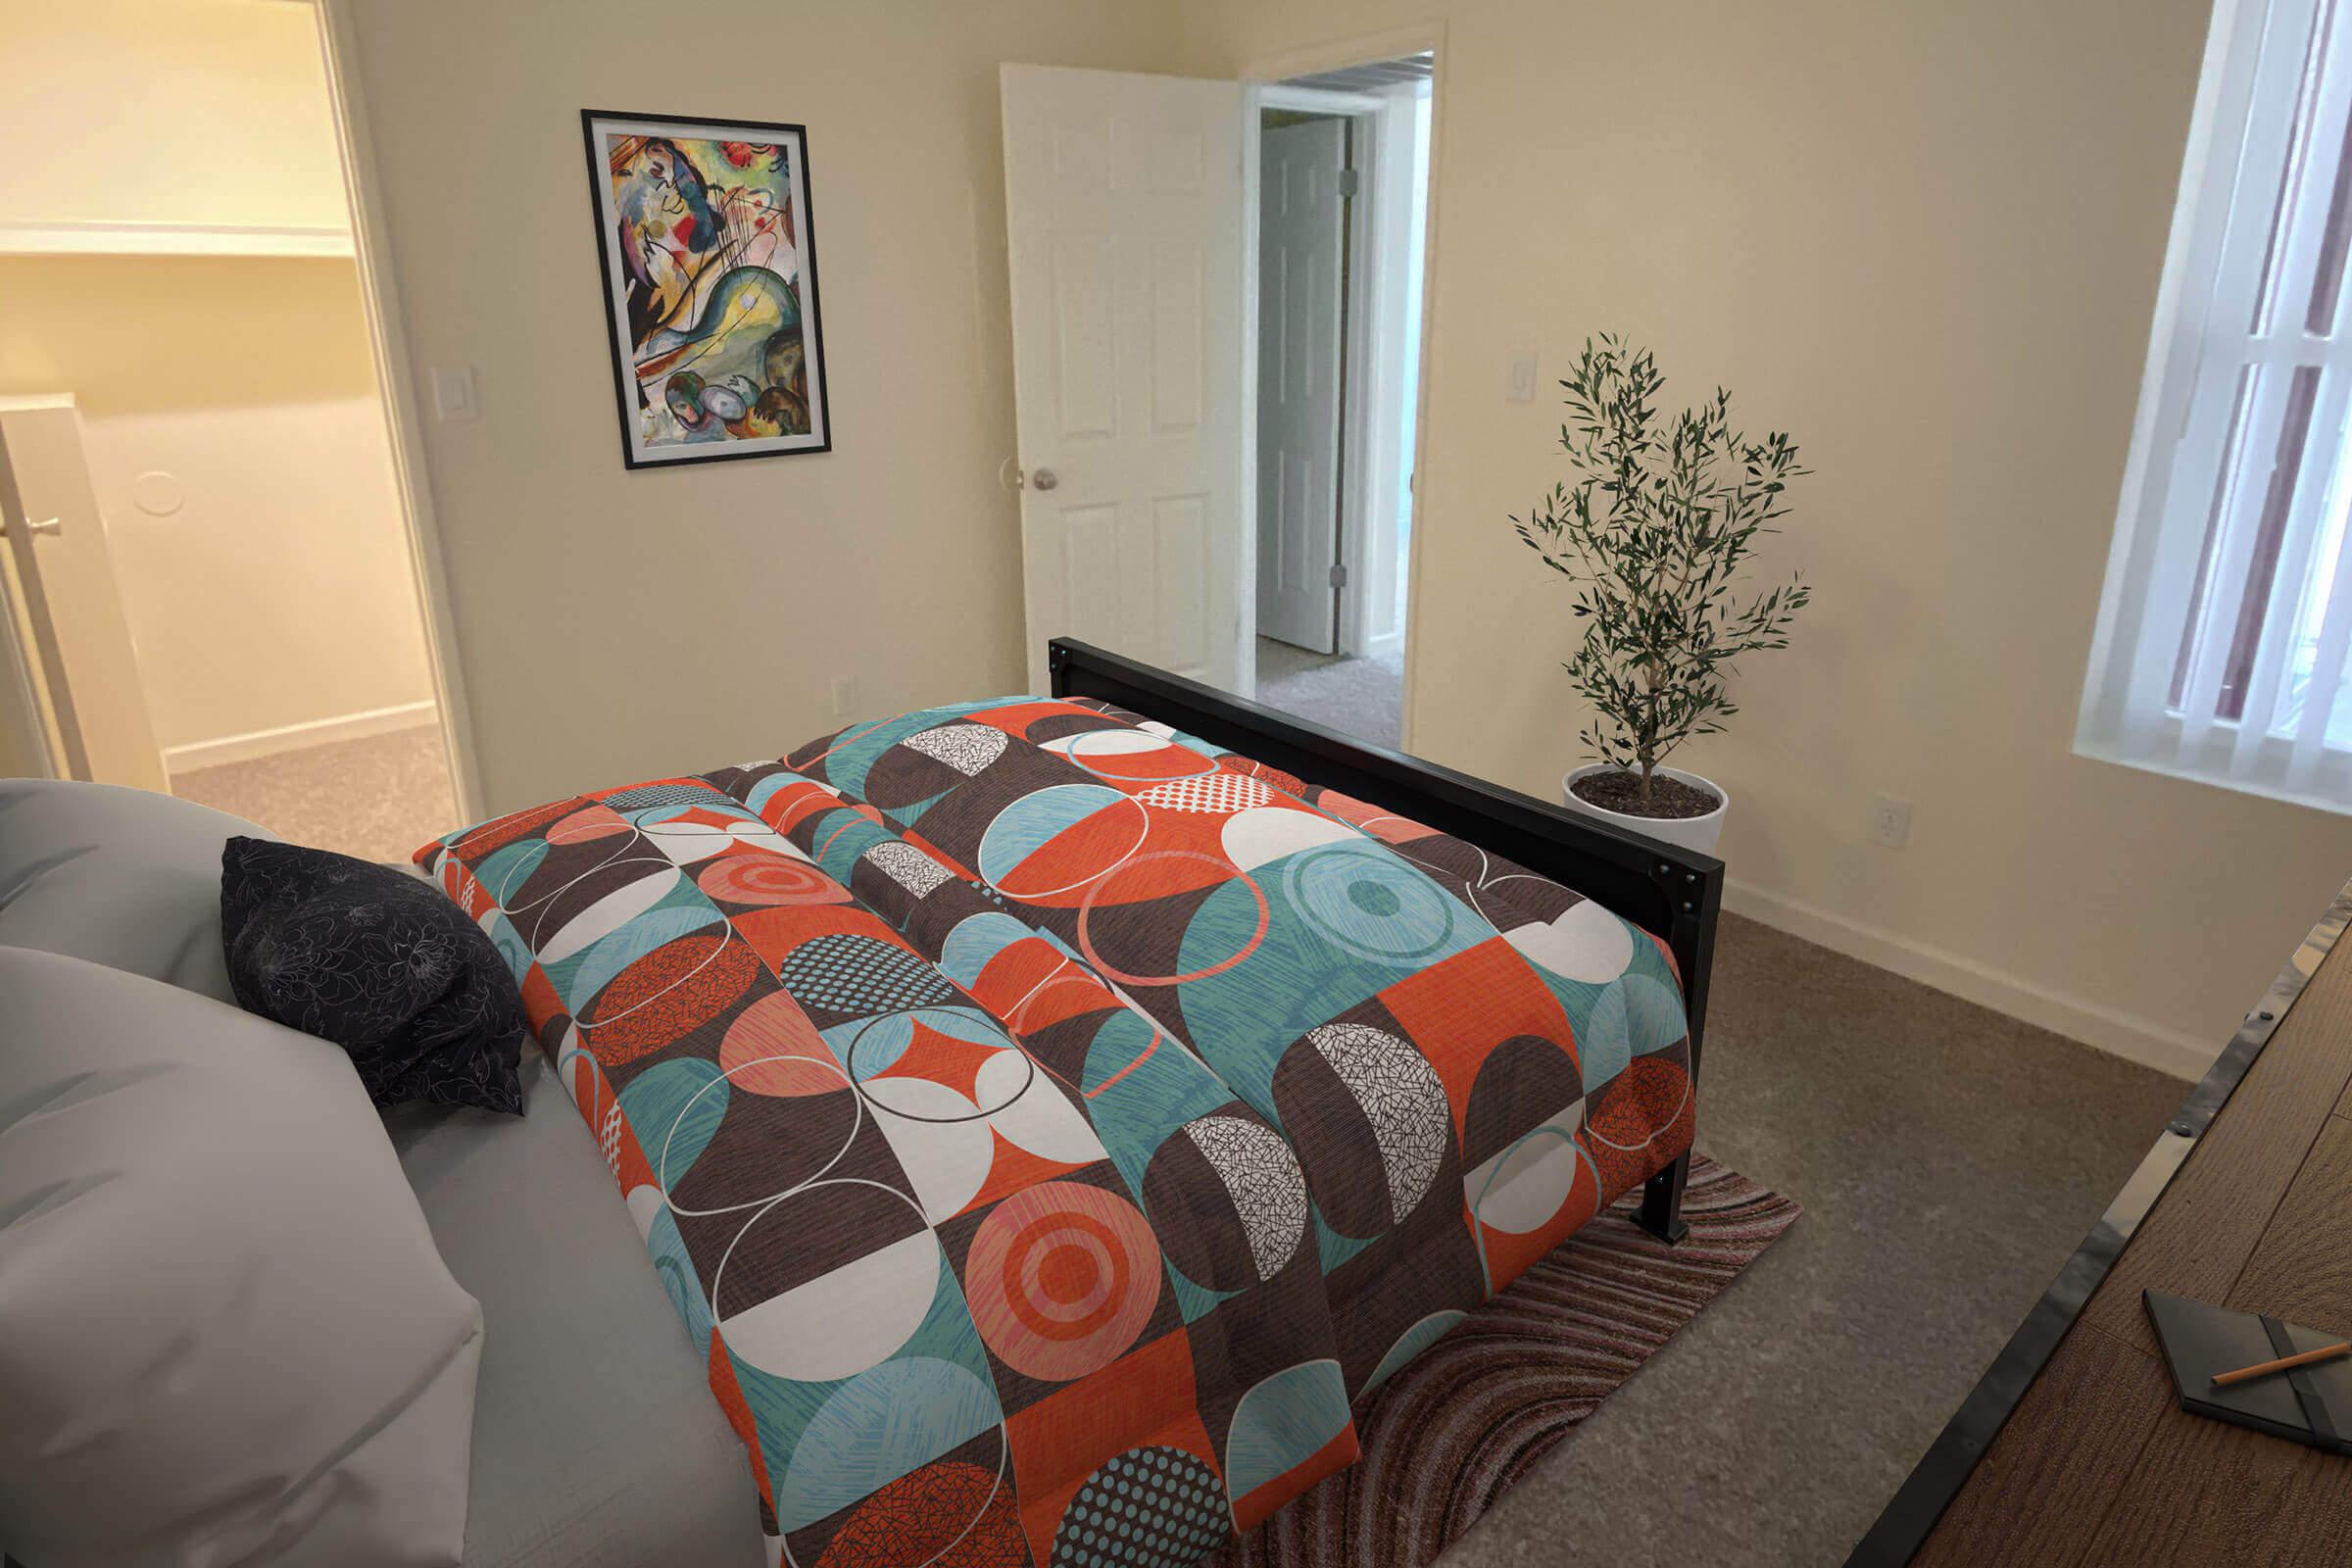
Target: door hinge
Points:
(1339, 576)
(1348, 181)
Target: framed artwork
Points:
(709, 264)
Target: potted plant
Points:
(1653, 530)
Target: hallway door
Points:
(1302, 243)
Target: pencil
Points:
(2326, 1353)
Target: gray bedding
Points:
(597, 1443)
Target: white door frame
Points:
(395, 382)
(1270, 72)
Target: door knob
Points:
(38, 525)
(1044, 479)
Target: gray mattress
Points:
(597, 1443)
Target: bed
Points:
(1215, 1239)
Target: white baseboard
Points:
(261, 743)
(2109, 1029)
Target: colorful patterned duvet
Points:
(1047, 1125)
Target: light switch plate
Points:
(1521, 385)
(456, 396)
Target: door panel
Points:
(1122, 199)
(65, 570)
(1301, 225)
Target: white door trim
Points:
(1368, 284)
(379, 297)
(1315, 100)
(1254, 107)
(1390, 222)
(1269, 72)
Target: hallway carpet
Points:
(378, 798)
(1360, 698)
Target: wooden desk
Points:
(2074, 1449)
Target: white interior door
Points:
(1123, 211)
(65, 613)
(1301, 234)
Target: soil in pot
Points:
(1668, 797)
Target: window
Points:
(2222, 635)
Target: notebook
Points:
(2310, 1405)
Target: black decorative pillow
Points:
(378, 962)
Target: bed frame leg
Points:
(1661, 1213)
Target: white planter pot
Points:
(1690, 832)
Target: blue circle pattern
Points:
(1152, 1507)
(1362, 898)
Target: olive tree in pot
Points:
(1651, 532)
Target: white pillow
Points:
(118, 876)
(225, 1336)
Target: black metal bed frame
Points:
(1664, 888)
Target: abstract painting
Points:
(710, 272)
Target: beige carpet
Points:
(378, 799)
(1361, 698)
(1948, 1159)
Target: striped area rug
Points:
(1448, 1436)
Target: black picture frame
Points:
(635, 453)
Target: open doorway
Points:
(211, 580)
(1343, 222)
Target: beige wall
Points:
(142, 334)
(279, 597)
(1924, 239)
(166, 110)
(615, 624)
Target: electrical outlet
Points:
(1889, 821)
(457, 397)
(1520, 387)
(845, 695)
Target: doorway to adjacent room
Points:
(1218, 330)
(1343, 202)
(208, 560)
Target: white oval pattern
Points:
(1584, 942)
(1403, 1099)
(965, 748)
(1261, 1175)
(907, 866)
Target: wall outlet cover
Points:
(1520, 387)
(456, 395)
(1889, 821)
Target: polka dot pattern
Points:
(853, 975)
(1216, 794)
(1149, 1508)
